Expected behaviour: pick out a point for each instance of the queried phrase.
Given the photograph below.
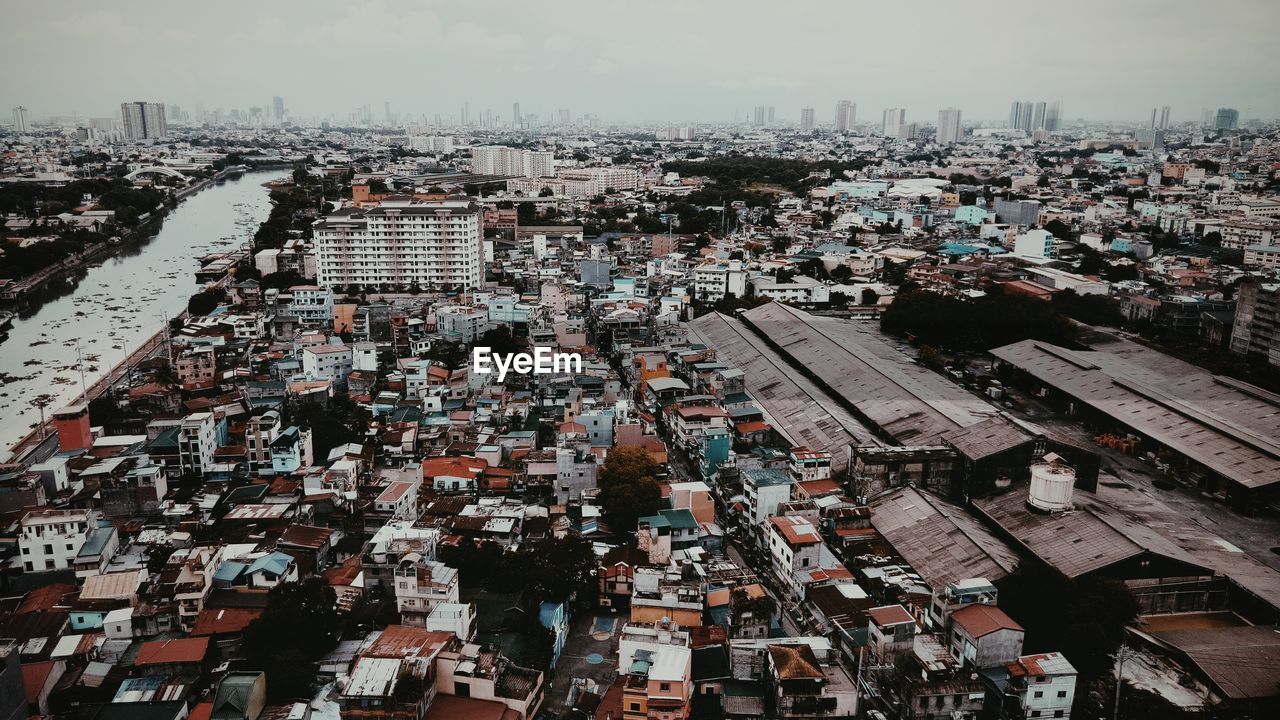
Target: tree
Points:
(206, 301)
(629, 486)
(1084, 618)
(299, 626)
(1212, 239)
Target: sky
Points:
(649, 61)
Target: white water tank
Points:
(1052, 482)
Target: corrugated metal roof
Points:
(1225, 426)
(940, 541)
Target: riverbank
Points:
(19, 289)
(106, 317)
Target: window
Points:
(1062, 693)
(1038, 694)
(1059, 713)
(1035, 713)
(665, 687)
(635, 706)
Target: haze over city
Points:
(659, 61)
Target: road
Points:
(789, 625)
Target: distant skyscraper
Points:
(1227, 119)
(277, 109)
(757, 116)
(144, 120)
(1053, 116)
(894, 119)
(21, 119)
(515, 115)
(1037, 115)
(806, 119)
(1021, 116)
(846, 112)
(564, 116)
(386, 111)
(1164, 118)
(771, 119)
(948, 126)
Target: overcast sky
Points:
(646, 61)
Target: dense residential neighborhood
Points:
(514, 416)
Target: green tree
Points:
(298, 627)
(1084, 619)
(629, 486)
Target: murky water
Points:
(114, 305)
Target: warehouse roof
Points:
(904, 400)
(940, 541)
(1092, 537)
(1225, 425)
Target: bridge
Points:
(157, 170)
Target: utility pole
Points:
(84, 389)
(1121, 655)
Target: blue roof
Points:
(274, 562)
(230, 571)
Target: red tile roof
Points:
(890, 615)
(980, 620)
(185, 650)
(224, 621)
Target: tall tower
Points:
(892, 122)
(21, 119)
(948, 126)
(806, 119)
(515, 115)
(845, 112)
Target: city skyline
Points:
(603, 72)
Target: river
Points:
(115, 304)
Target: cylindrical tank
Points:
(1051, 485)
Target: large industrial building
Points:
(1221, 433)
(843, 387)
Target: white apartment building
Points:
(51, 539)
(1243, 234)
(421, 586)
(800, 289)
(712, 281)
(311, 304)
(430, 243)
(595, 181)
(327, 362)
(502, 160)
(197, 443)
(1045, 685)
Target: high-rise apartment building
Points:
(144, 120)
(1037, 115)
(1227, 119)
(503, 160)
(806, 119)
(21, 119)
(1256, 332)
(564, 116)
(757, 117)
(771, 116)
(515, 115)
(894, 119)
(429, 243)
(1053, 116)
(846, 114)
(277, 109)
(1027, 116)
(948, 126)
